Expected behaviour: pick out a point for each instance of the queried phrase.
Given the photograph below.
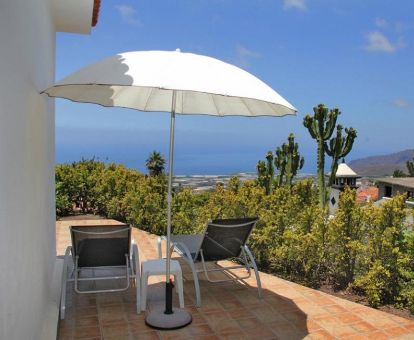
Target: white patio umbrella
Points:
(179, 83)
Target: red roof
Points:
(95, 16)
(370, 193)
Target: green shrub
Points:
(345, 237)
(386, 258)
(185, 211)
(64, 206)
(374, 283)
(369, 249)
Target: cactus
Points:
(280, 164)
(288, 161)
(410, 168)
(338, 148)
(266, 172)
(270, 169)
(261, 173)
(321, 126)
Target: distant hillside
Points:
(382, 165)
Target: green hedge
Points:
(366, 249)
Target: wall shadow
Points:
(99, 83)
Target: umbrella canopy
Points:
(176, 82)
(146, 80)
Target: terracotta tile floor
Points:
(229, 311)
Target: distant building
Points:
(203, 189)
(389, 187)
(367, 194)
(344, 177)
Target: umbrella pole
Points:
(169, 318)
(168, 286)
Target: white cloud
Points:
(401, 103)
(128, 14)
(296, 4)
(381, 22)
(378, 42)
(244, 56)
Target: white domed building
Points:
(345, 176)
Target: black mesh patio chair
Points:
(100, 253)
(222, 239)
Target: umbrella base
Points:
(159, 320)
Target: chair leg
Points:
(136, 268)
(196, 284)
(178, 280)
(138, 294)
(159, 248)
(189, 260)
(256, 272)
(144, 285)
(64, 283)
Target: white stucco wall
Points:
(72, 15)
(334, 194)
(27, 223)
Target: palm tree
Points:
(399, 173)
(410, 168)
(155, 164)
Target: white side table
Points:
(157, 267)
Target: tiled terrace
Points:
(229, 311)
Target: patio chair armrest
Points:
(62, 306)
(256, 271)
(68, 254)
(182, 250)
(68, 250)
(159, 240)
(135, 261)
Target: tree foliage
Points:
(155, 164)
(346, 234)
(398, 173)
(386, 258)
(410, 168)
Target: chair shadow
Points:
(228, 310)
(235, 309)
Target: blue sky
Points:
(355, 55)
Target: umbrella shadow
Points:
(81, 86)
(234, 308)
